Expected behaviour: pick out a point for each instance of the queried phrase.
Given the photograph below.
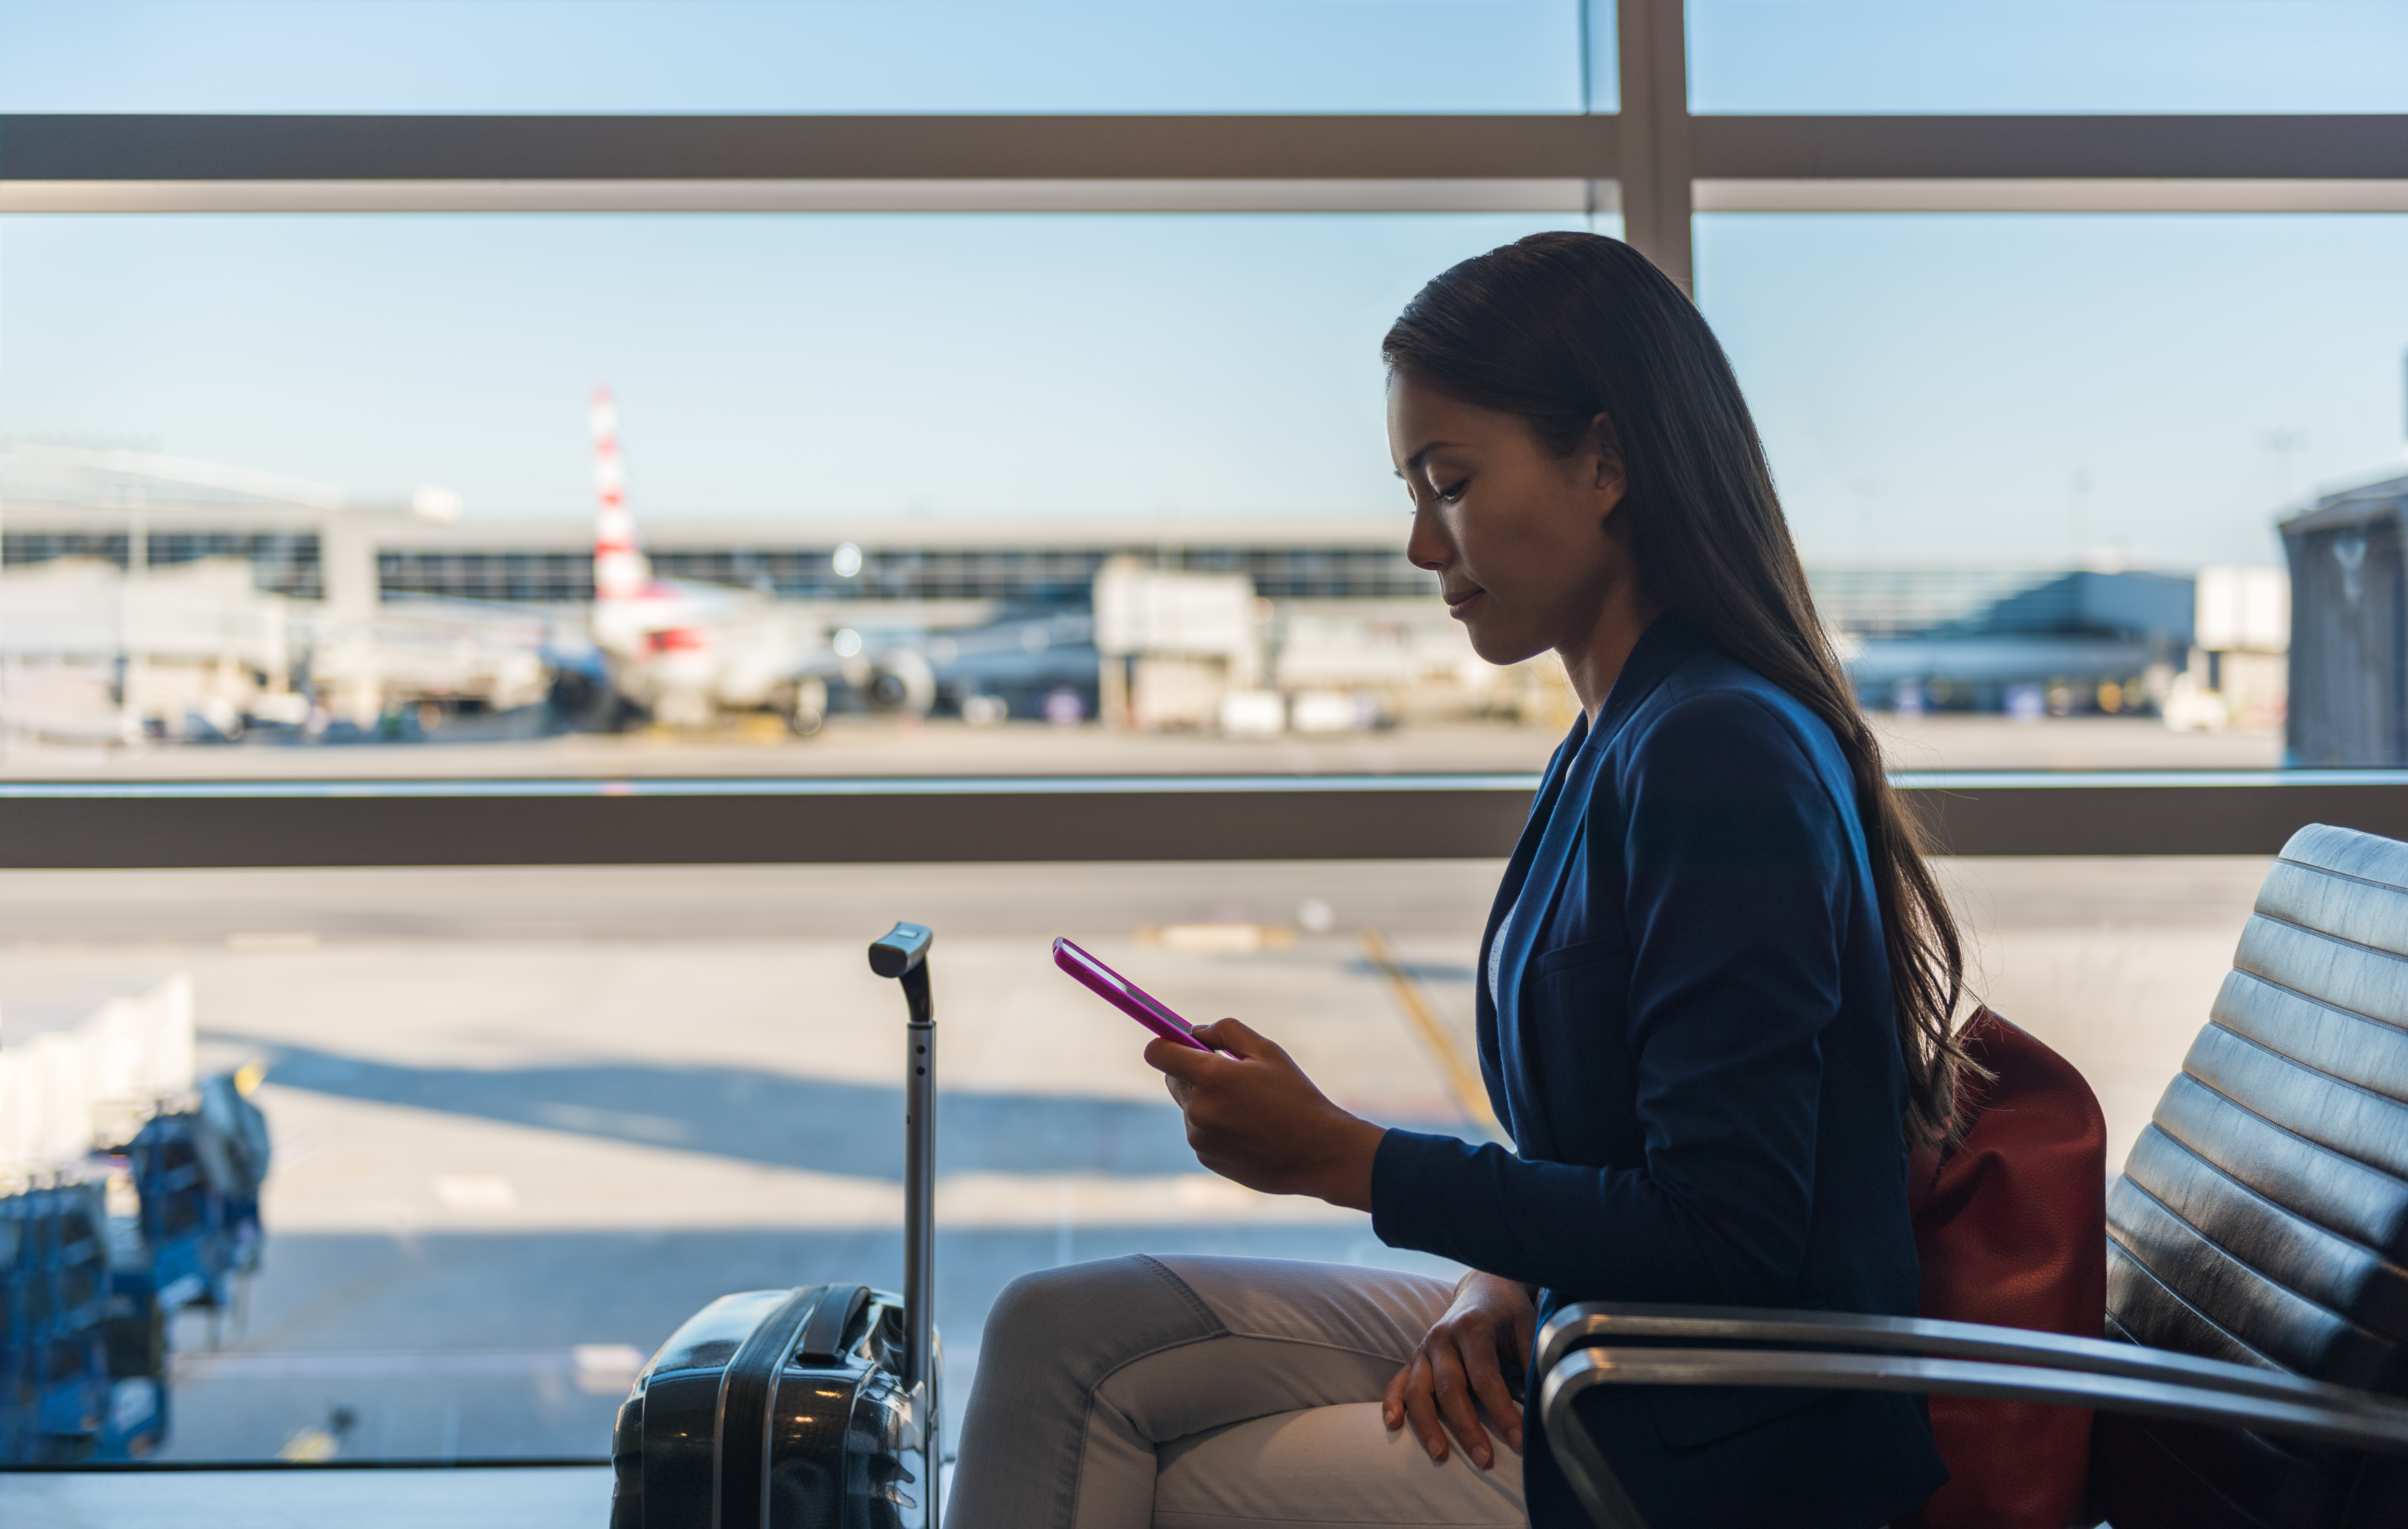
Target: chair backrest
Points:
(2262, 1217)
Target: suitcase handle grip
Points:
(902, 952)
(823, 1338)
(900, 949)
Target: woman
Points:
(1716, 1013)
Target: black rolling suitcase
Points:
(809, 1408)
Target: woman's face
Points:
(1523, 541)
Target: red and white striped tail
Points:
(620, 570)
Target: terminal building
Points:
(306, 541)
(1339, 604)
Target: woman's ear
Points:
(1604, 451)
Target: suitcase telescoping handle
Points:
(902, 952)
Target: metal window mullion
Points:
(1654, 148)
(1667, 162)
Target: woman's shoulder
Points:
(1714, 726)
(1713, 702)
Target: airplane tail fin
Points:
(620, 571)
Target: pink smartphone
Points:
(1127, 996)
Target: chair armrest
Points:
(1600, 1322)
(2368, 1421)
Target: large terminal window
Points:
(528, 532)
(2036, 488)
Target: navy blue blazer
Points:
(1693, 1049)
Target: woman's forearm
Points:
(1597, 1231)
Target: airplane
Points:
(685, 652)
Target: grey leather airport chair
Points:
(2252, 1371)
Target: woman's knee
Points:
(1056, 1311)
(1032, 1306)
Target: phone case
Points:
(1126, 995)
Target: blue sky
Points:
(1186, 55)
(1930, 386)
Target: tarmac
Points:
(527, 1121)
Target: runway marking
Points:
(1462, 1074)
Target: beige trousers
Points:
(1208, 1393)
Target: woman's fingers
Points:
(1457, 1374)
(1238, 1039)
(1185, 1063)
(1483, 1365)
(1421, 1407)
(1451, 1380)
(1456, 1405)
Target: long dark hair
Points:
(1560, 328)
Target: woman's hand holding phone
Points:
(1460, 1371)
(1253, 1117)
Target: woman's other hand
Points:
(1253, 1116)
(1459, 1373)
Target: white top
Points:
(1497, 952)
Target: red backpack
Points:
(2010, 1224)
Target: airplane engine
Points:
(897, 679)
